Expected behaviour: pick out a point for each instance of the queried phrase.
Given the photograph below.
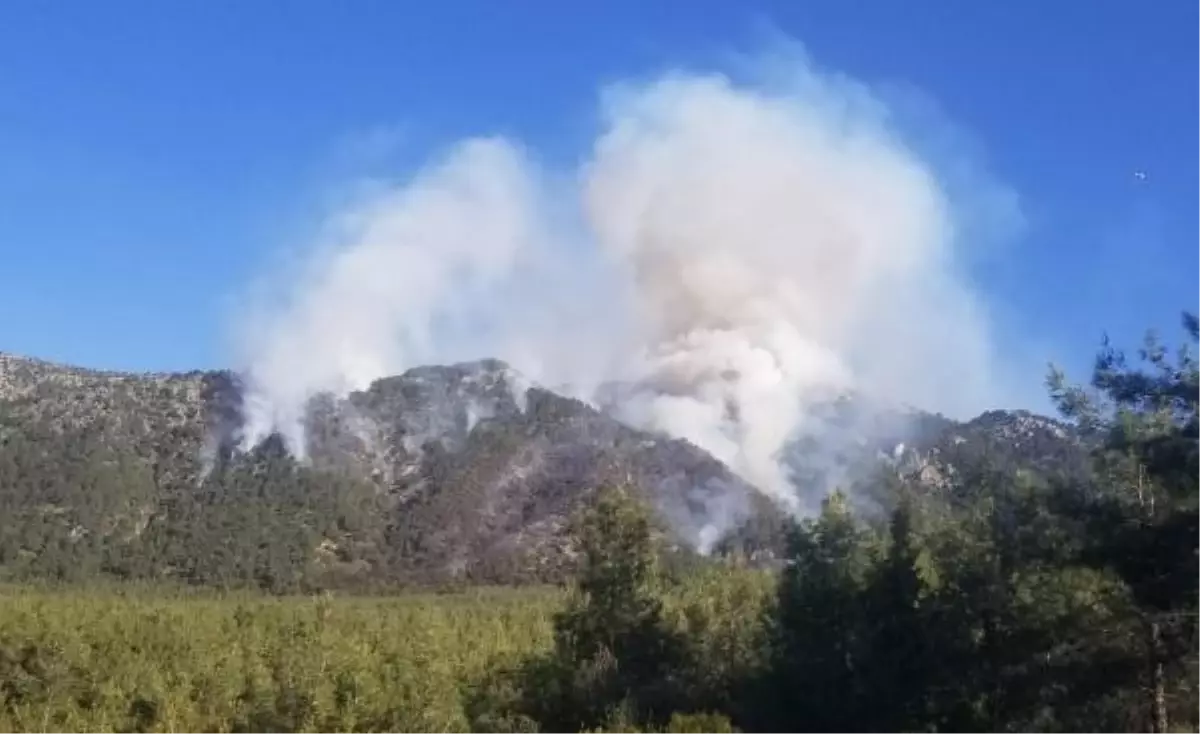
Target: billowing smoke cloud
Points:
(392, 274)
(726, 254)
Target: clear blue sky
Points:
(154, 154)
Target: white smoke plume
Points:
(391, 274)
(726, 253)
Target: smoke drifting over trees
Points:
(727, 253)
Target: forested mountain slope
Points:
(456, 472)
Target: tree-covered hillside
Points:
(454, 473)
(442, 474)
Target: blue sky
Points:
(154, 156)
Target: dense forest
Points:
(1049, 598)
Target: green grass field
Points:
(138, 659)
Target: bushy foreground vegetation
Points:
(990, 602)
(150, 661)
(140, 659)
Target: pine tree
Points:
(1144, 422)
(820, 642)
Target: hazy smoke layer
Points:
(727, 253)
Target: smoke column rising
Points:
(744, 249)
(390, 272)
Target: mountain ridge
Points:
(441, 473)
